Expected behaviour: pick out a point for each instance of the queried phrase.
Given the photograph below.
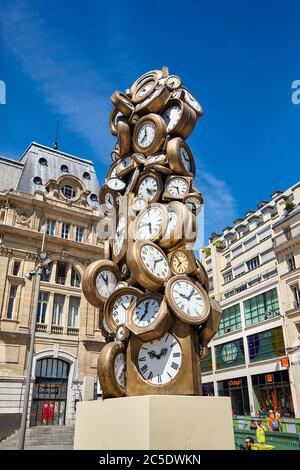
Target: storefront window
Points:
(231, 320)
(261, 306)
(208, 389)
(206, 364)
(237, 390)
(266, 345)
(272, 391)
(230, 354)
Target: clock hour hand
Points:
(191, 293)
(105, 279)
(145, 313)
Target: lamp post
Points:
(37, 273)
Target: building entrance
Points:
(49, 397)
(237, 390)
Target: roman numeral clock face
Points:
(159, 361)
(106, 282)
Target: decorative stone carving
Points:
(23, 217)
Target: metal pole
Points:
(30, 354)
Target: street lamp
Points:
(37, 273)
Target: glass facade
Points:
(208, 389)
(272, 391)
(257, 308)
(266, 345)
(230, 354)
(237, 390)
(206, 364)
(231, 320)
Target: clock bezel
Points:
(175, 161)
(164, 218)
(89, 280)
(124, 137)
(112, 120)
(186, 123)
(183, 221)
(120, 101)
(195, 195)
(167, 196)
(159, 138)
(192, 265)
(106, 370)
(160, 185)
(108, 306)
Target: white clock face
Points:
(120, 234)
(120, 307)
(106, 282)
(146, 312)
(188, 298)
(155, 261)
(145, 89)
(146, 134)
(185, 158)
(171, 116)
(139, 203)
(160, 158)
(116, 184)
(124, 163)
(172, 221)
(192, 101)
(150, 224)
(120, 369)
(148, 188)
(177, 187)
(109, 200)
(159, 361)
(173, 82)
(193, 204)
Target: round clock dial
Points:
(186, 159)
(159, 159)
(159, 361)
(109, 200)
(116, 184)
(146, 311)
(124, 166)
(151, 222)
(149, 186)
(171, 116)
(179, 262)
(146, 135)
(189, 98)
(120, 307)
(116, 307)
(193, 203)
(173, 82)
(188, 300)
(149, 134)
(106, 282)
(119, 239)
(177, 187)
(155, 261)
(120, 369)
(139, 203)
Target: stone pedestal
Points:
(162, 422)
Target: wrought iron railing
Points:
(249, 283)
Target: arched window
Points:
(50, 368)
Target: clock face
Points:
(146, 134)
(188, 298)
(172, 221)
(124, 164)
(192, 101)
(160, 158)
(120, 306)
(144, 90)
(120, 235)
(139, 203)
(150, 224)
(120, 369)
(180, 262)
(155, 262)
(193, 204)
(116, 184)
(159, 361)
(171, 116)
(106, 282)
(173, 82)
(109, 200)
(148, 188)
(146, 312)
(185, 158)
(177, 187)
(124, 270)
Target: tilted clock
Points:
(151, 290)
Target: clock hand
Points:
(152, 354)
(191, 293)
(177, 189)
(146, 311)
(105, 279)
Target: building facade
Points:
(249, 358)
(47, 190)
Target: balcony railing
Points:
(286, 235)
(72, 331)
(57, 330)
(41, 327)
(249, 283)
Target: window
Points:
(94, 197)
(58, 307)
(227, 259)
(239, 270)
(288, 233)
(206, 364)
(79, 234)
(290, 259)
(42, 307)
(38, 181)
(50, 227)
(61, 272)
(210, 284)
(46, 273)
(43, 161)
(264, 234)
(68, 191)
(227, 277)
(252, 263)
(261, 307)
(237, 250)
(296, 294)
(86, 175)
(16, 268)
(64, 168)
(266, 345)
(267, 255)
(250, 243)
(75, 279)
(230, 320)
(73, 312)
(65, 229)
(230, 354)
(11, 301)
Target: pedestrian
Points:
(248, 443)
(263, 413)
(273, 422)
(253, 425)
(260, 433)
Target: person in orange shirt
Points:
(273, 422)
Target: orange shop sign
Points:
(234, 383)
(285, 362)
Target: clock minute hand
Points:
(191, 293)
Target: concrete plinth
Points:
(162, 422)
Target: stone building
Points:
(253, 269)
(53, 191)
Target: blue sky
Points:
(61, 61)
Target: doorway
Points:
(49, 396)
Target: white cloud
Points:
(219, 204)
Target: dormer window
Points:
(43, 161)
(94, 197)
(38, 181)
(64, 168)
(86, 175)
(68, 191)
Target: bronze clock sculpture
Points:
(152, 292)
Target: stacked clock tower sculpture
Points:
(151, 291)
